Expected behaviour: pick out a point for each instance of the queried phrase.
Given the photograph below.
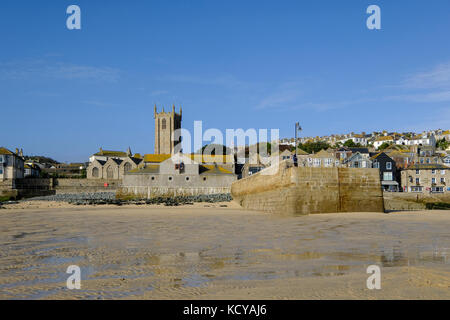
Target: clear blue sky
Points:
(233, 64)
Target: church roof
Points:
(156, 157)
(136, 160)
(118, 161)
(102, 162)
(212, 169)
(111, 153)
(147, 169)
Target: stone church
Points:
(169, 172)
(166, 172)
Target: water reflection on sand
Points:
(156, 253)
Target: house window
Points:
(356, 164)
(442, 180)
(417, 171)
(437, 189)
(433, 180)
(417, 180)
(428, 160)
(387, 176)
(1, 159)
(447, 161)
(416, 189)
(1, 170)
(388, 165)
(376, 165)
(95, 172)
(421, 160)
(433, 171)
(443, 172)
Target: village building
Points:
(31, 170)
(11, 164)
(113, 168)
(358, 160)
(356, 138)
(321, 159)
(381, 140)
(426, 178)
(178, 175)
(389, 174)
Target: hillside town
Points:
(407, 162)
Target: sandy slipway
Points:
(99, 198)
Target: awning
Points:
(389, 183)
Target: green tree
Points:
(442, 144)
(315, 147)
(384, 146)
(351, 144)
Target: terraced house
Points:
(431, 178)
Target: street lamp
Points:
(297, 129)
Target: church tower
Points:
(165, 125)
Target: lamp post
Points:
(297, 129)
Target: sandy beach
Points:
(219, 251)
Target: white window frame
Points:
(388, 175)
(389, 165)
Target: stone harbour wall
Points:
(304, 190)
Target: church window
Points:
(110, 173)
(95, 172)
(163, 124)
(127, 167)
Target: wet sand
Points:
(214, 252)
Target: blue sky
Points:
(232, 64)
